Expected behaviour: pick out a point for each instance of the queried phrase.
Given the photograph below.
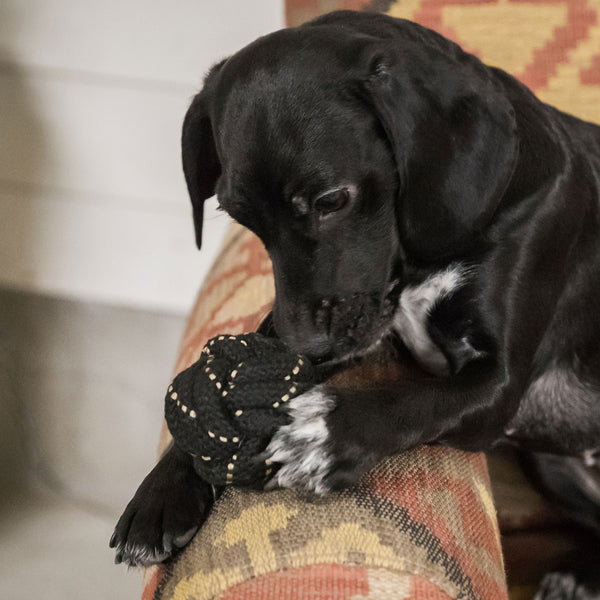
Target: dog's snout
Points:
(305, 329)
(318, 348)
(330, 328)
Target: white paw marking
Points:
(591, 458)
(412, 314)
(302, 446)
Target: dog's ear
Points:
(201, 165)
(453, 136)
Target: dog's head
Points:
(356, 147)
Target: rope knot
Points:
(225, 408)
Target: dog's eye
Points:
(332, 201)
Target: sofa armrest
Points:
(419, 525)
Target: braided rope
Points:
(225, 408)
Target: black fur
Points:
(368, 154)
(165, 513)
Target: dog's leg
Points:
(337, 434)
(165, 512)
(574, 487)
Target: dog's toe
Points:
(313, 452)
(163, 516)
(138, 537)
(150, 531)
(303, 447)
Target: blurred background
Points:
(98, 266)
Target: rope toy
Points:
(226, 407)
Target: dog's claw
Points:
(182, 540)
(271, 484)
(165, 513)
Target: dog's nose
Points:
(304, 327)
(328, 328)
(317, 348)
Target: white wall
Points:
(93, 203)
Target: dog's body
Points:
(403, 188)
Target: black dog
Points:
(401, 187)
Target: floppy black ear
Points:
(201, 164)
(454, 140)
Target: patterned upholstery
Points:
(420, 525)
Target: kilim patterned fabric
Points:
(420, 526)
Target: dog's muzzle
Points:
(332, 328)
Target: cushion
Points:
(419, 525)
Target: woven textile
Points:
(420, 526)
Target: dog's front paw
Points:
(313, 451)
(303, 448)
(163, 516)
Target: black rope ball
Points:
(226, 407)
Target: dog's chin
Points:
(328, 368)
